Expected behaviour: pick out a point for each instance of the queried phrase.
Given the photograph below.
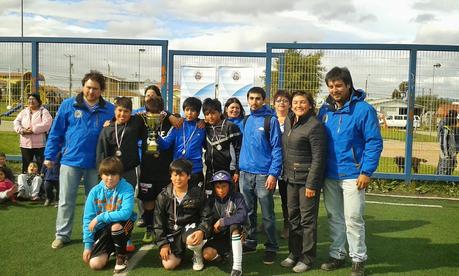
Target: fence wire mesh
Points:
(378, 73)
(128, 69)
(15, 75)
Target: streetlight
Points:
(141, 50)
(436, 65)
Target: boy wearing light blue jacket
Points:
(108, 217)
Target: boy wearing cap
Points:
(229, 215)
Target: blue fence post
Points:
(281, 72)
(410, 114)
(268, 71)
(170, 82)
(164, 51)
(35, 68)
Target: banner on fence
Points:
(197, 82)
(235, 82)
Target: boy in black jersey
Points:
(221, 135)
(182, 218)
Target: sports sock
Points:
(120, 240)
(236, 245)
(148, 218)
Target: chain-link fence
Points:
(415, 113)
(54, 68)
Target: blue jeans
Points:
(69, 180)
(253, 188)
(345, 208)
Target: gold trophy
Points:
(152, 121)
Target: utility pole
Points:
(141, 50)
(70, 72)
(22, 52)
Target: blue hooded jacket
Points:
(77, 128)
(108, 206)
(195, 138)
(259, 156)
(355, 142)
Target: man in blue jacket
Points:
(354, 149)
(75, 132)
(260, 164)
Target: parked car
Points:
(400, 121)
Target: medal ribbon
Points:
(119, 141)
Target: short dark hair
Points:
(231, 101)
(2, 154)
(211, 105)
(154, 105)
(124, 102)
(5, 172)
(339, 73)
(111, 166)
(309, 97)
(257, 90)
(283, 93)
(154, 88)
(192, 103)
(181, 165)
(94, 76)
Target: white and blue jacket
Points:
(355, 143)
(76, 130)
(195, 138)
(258, 155)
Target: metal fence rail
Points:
(54, 67)
(412, 87)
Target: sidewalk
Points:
(6, 126)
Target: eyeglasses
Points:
(282, 101)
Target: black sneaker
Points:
(269, 257)
(332, 264)
(235, 272)
(248, 250)
(358, 269)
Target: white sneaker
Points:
(56, 244)
(198, 262)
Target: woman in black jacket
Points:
(305, 148)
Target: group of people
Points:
(36, 181)
(207, 202)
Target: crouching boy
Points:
(229, 215)
(182, 218)
(108, 217)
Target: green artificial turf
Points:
(9, 143)
(401, 241)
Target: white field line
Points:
(416, 197)
(404, 204)
(136, 258)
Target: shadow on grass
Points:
(404, 254)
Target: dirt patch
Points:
(426, 150)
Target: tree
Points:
(396, 94)
(300, 71)
(401, 92)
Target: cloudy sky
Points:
(246, 25)
(238, 25)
